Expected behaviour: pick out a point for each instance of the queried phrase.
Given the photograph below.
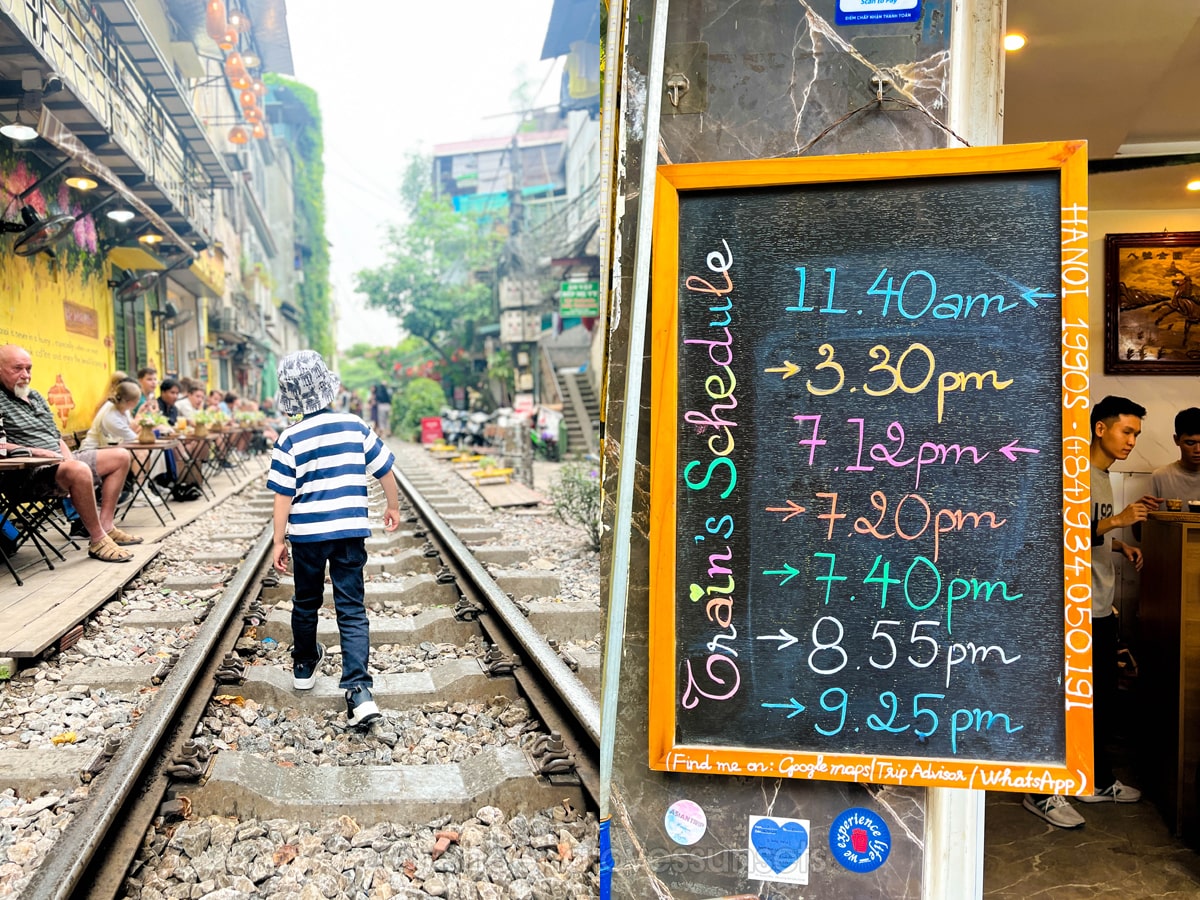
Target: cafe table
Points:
(28, 513)
(145, 458)
(222, 457)
(195, 452)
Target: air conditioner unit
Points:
(225, 321)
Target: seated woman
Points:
(117, 377)
(112, 424)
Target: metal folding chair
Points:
(33, 515)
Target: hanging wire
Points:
(882, 82)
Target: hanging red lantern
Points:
(256, 85)
(229, 40)
(235, 71)
(247, 98)
(259, 131)
(214, 19)
(239, 20)
(252, 114)
(238, 134)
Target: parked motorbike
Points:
(475, 432)
(453, 426)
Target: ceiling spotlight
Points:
(1014, 41)
(151, 238)
(81, 183)
(120, 214)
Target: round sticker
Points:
(685, 822)
(859, 839)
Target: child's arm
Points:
(283, 506)
(391, 515)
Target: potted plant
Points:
(147, 421)
(202, 420)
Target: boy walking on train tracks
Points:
(319, 469)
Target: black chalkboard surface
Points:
(866, 477)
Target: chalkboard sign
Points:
(869, 480)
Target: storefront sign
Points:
(577, 299)
(863, 12)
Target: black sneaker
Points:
(78, 529)
(304, 672)
(360, 706)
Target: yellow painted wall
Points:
(66, 324)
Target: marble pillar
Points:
(760, 78)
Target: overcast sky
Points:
(395, 76)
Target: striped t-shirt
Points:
(322, 463)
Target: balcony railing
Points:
(102, 77)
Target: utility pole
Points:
(519, 445)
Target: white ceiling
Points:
(1122, 74)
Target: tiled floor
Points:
(1124, 851)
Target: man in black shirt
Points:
(168, 393)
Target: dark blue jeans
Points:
(346, 558)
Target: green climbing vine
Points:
(308, 146)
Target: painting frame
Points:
(1151, 308)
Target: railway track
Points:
(478, 780)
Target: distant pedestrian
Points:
(319, 471)
(383, 410)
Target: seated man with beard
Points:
(29, 425)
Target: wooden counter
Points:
(1169, 681)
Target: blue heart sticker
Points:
(779, 845)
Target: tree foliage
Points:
(429, 281)
(420, 398)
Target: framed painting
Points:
(1152, 303)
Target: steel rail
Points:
(60, 874)
(574, 694)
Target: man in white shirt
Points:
(1116, 424)
(1180, 480)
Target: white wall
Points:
(1162, 395)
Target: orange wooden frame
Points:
(1074, 775)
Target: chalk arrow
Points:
(793, 704)
(788, 369)
(787, 639)
(792, 509)
(787, 570)
(1011, 450)
(1032, 296)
